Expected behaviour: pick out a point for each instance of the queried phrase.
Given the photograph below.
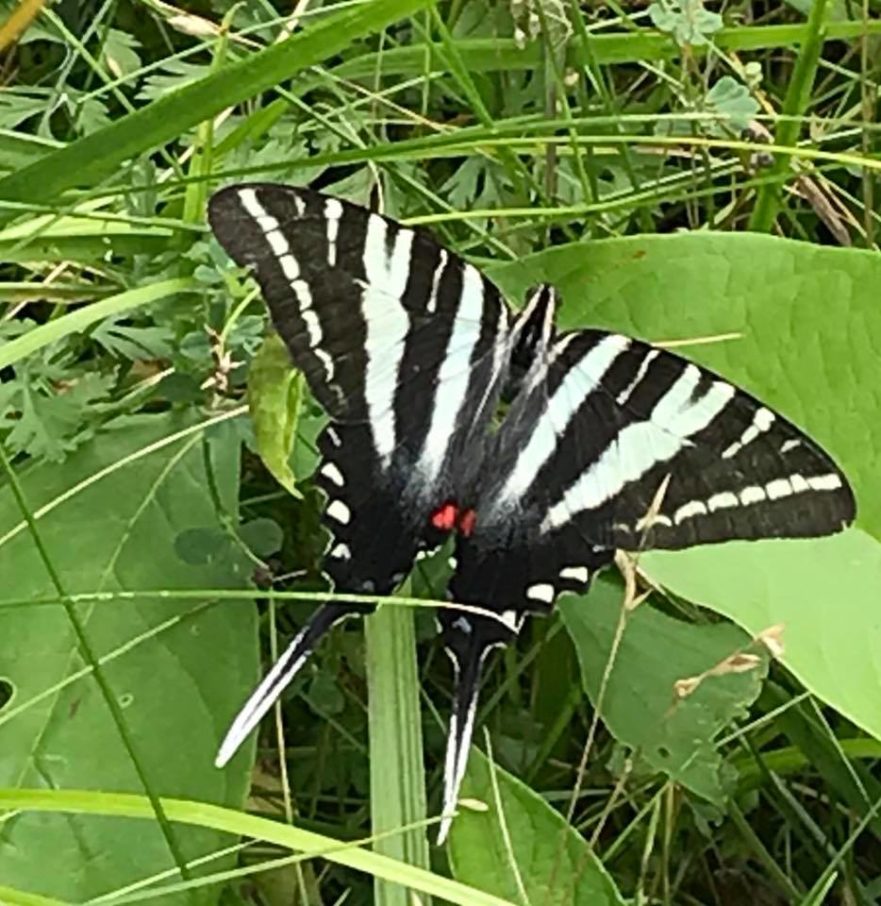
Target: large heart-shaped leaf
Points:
(807, 324)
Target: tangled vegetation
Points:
(703, 729)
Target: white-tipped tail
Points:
(275, 682)
(467, 666)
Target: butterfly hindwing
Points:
(374, 533)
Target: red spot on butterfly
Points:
(445, 516)
(467, 522)
(449, 517)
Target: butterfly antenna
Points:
(278, 678)
(467, 652)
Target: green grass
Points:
(634, 168)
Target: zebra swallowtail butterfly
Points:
(606, 442)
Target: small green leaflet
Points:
(275, 393)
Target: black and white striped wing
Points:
(615, 444)
(623, 445)
(381, 320)
(404, 344)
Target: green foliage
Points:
(821, 592)
(665, 688)
(49, 410)
(600, 149)
(688, 21)
(508, 841)
(274, 400)
(734, 104)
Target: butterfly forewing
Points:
(623, 445)
(388, 327)
(663, 453)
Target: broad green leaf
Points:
(807, 321)
(109, 518)
(275, 394)
(547, 862)
(673, 732)
(807, 324)
(825, 594)
(202, 814)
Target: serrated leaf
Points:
(48, 423)
(119, 52)
(548, 860)
(134, 342)
(663, 697)
(274, 397)
(173, 75)
(20, 104)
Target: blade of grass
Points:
(21, 898)
(467, 141)
(397, 773)
(796, 102)
(503, 54)
(201, 814)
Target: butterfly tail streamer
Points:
(280, 676)
(468, 657)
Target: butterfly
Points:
(542, 452)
